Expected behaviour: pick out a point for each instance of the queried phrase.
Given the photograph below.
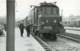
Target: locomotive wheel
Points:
(53, 36)
(46, 36)
(37, 33)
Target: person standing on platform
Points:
(28, 27)
(21, 27)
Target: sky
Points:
(22, 7)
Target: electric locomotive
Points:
(46, 20)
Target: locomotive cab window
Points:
(49, 10)
(54, 11)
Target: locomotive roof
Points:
(47, 5)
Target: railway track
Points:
(76, 29)
(47, 45)
(70, 36)
(43, 43)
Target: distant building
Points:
(65, 20)
(71, 20)
(75, 20)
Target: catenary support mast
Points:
(10, 44)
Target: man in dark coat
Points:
(28, 27)
(21, 27)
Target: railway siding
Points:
(60, 45)
(71, 36)
(72, 28)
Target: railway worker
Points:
(28, 27)
(21, 27)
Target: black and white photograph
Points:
(39, 25)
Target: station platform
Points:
(22, 43)
(26, 43)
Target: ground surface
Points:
(64, 45)
(22, 43)
(30, 44)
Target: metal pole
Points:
(10, 45)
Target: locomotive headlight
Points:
(47, 21)
(54, 21)
(40, 16)
(42, 22)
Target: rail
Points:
(72, 28)
(70, 36)
(44, 44)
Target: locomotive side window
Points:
(41, 11)
(44, 10)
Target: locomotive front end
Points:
(49, 25)
(48, 17)
(46, 20)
